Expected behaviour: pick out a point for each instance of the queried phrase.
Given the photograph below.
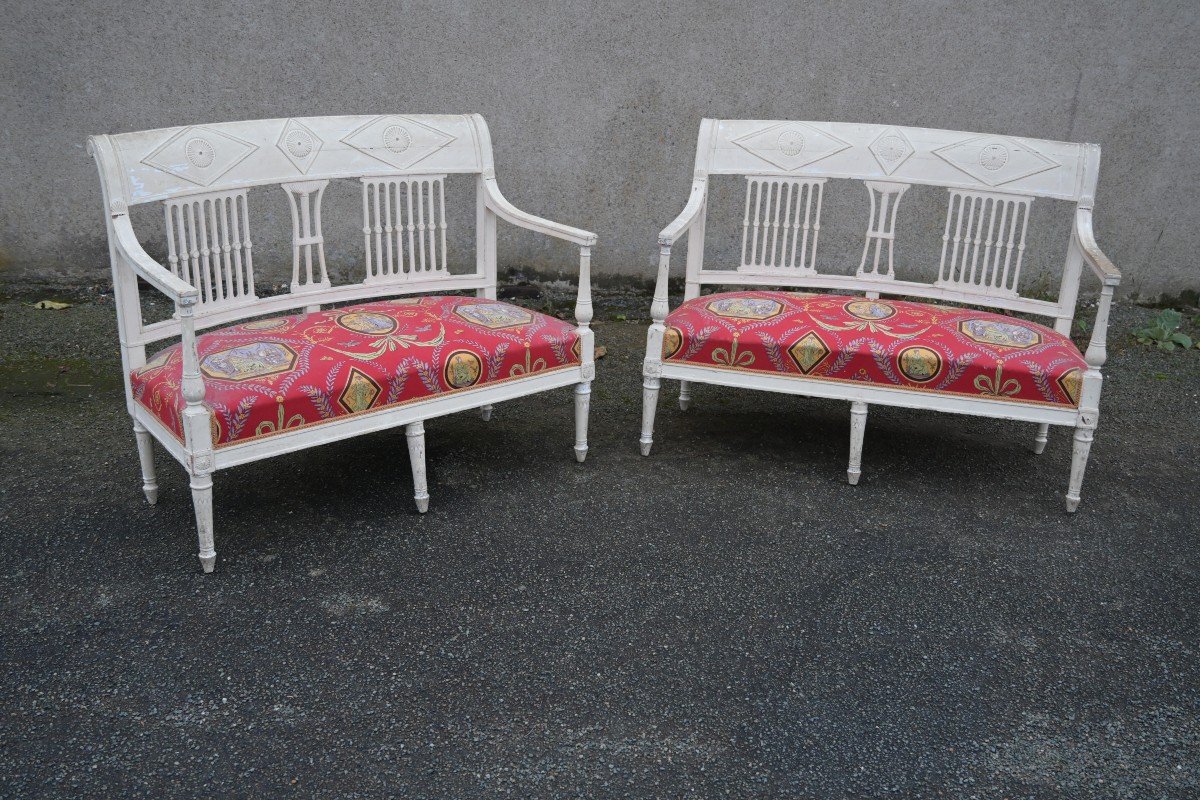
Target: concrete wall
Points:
(594, 107)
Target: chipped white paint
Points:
(992, 182)
(205, 174)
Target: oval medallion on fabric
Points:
(869, 309)
(368, 322)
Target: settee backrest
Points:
(991, 183)
(202, 175)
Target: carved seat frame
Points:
(991, 183)
(202, 174)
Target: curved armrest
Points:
(158, 276)
(1104, 269)
(510, 213)
(691, 211)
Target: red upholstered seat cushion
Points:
(268, 375)
(897, 344)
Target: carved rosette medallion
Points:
(791, 142)
(993, 157)
(397, 138)
(199, 152)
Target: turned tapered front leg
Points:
(583, 402)
(202, 494)
(1081, 448)
(1039, 441)
(415, 432)
(685, 395)
(146, 456)
(858, 429)
(650, 387)
(652, 366)
(197, 430)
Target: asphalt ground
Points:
(726, 618)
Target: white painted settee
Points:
(848, 342)
(280, 373)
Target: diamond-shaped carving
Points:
(808, 352)
(791, 145)
(299, 144)
(891, 149)
(995, 160)
(200, 155)
(360, 392)
(398, 141)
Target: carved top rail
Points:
(160, 164)
(954, 159)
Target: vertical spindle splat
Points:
(404, 227)
(983, 243)
(881, 228)
(781, 224)
(208, 245)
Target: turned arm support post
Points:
(1110, 278)
(660, 307)
(693, 213)
(197, 425)
(1097, 350)
(583, 312)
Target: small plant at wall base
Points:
(1163, 331)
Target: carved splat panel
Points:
(404, 227)
(881, 228)
(308, 238)
(208, 245)
(984, 242)
(159, 164)
(781, 225)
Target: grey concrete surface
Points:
(727, 618)
(594, 107)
